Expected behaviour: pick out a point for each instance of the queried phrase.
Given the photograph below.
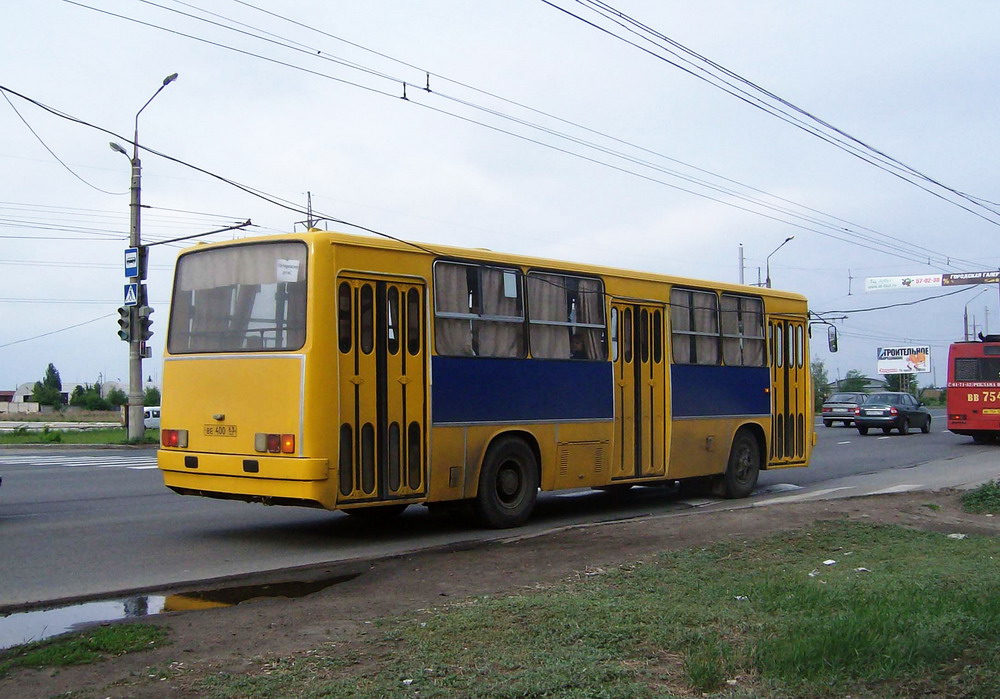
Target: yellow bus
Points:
(355, 373)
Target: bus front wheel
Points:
(741, 474)
(508, 484)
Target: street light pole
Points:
(136, 428)
(767, 283)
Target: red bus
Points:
(974, 388)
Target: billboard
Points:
(970, 278)
(916, 281)
(904, 360)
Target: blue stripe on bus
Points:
(479, 389)
(711, 391)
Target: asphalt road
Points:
(79, 523)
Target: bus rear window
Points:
(244, 298)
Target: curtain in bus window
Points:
(501, 299)
(239, 319)
(453, 336)
(547, 301)
(742, 331)
(246, 297)
(211, 318)
(706, 324)
(680, 325)
(295, 334)
(694, 326)
(590, 307)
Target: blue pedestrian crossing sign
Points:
(131, 294)
(131, 262)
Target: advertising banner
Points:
(904, 360)
(970, 278)
(916, 281)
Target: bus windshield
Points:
(244, 298)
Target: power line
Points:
(53, 332)
(52, 152)
(851, 145)
(842, 233)
(896, 305)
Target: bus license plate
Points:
(220, 430)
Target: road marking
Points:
(82, 461)
(847, 442)
(902, 488)
(885, 437)
(141, 468)
(803, 496)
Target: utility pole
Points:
(741, 263)
(310, 221)
(134, 318)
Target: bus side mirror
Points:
(831, 337)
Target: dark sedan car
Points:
(890, 411)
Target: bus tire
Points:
(743, 468)
(508, 484)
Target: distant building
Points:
(869, 386)
(22, 394)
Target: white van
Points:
(151, 417)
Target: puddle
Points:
(36, 625)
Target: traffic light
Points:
(145, 322)
(125, 323)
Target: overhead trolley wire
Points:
(852, 236)
(842, 139)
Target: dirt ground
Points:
(242, 638)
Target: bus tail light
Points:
(174, 438)
(274, 443)
(958, 416)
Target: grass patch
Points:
(114, 435)
(901, 613)
(91, 646)
(984, 499)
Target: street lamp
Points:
(767, 282)
(136, 429)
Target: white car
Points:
(151, 417)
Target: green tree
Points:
(902, 382)
(89, 398)
(52, 379)
(151, 396)
(853, 380)
(820, 381)
(48, 391)
(117, 397)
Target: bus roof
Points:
(318, 237)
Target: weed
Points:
(984, 499)
(82, 648)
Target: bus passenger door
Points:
(382, 365)
(639, 358)
(791, 414)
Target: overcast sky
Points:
(914, 79)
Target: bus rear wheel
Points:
(741, 474)
(508, 484)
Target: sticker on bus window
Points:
(287, 271)
(509, 285)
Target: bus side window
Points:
(413, 322)
(344, 314)
(367, 318)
